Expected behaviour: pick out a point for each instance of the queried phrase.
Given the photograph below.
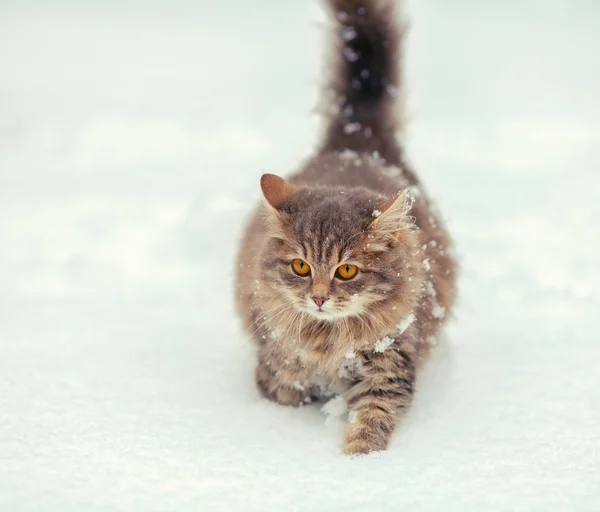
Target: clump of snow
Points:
(348, 154)
(430, 289)
(391, 171)
(408, 202)
(426, 264)
(303, 356)
(350, 128)
(349, 365)
(392, 91)
(382, 344)
(352, 417)
(334, 409)
(350, 54)
(438, 311)
(405, 323)
(415, 191)
(348, 34)
(376, 213)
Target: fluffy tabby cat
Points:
(345, 274)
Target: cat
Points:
(346, 272)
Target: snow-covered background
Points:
(132, 136)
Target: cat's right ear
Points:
(392, 217)
(276, 190)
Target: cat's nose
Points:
(319, 301)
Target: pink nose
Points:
(319, 301)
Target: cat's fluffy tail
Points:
(363, 89)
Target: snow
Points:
(392, 91)
(352, 416)
(405, 323)
(391, 171)
(348, 34)
(349, 154)
(129, 153)
(438, 311)
(382, 344)
(350, 55)
(432, 340)
(350, 128)
(335, 406)
(299, 386)
(429, 288)
(334, 409)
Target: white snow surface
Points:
(132, 138)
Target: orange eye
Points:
(301, 267)
(346, 271)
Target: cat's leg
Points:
(383, 390)
(281, 381)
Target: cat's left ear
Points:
(276, 190)
(392, 217)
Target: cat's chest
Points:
(322, 360)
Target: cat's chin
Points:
(326, 315)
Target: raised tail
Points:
(364, 80)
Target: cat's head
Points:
(334, 253)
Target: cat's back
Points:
(349, 168)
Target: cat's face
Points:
(330, 257)
(330, 280)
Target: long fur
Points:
(364, 87)
(344, 206)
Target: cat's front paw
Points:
(282, 394)
(362, 439)
(290, 396)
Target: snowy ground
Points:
(132, 136)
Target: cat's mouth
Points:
(324, 313)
